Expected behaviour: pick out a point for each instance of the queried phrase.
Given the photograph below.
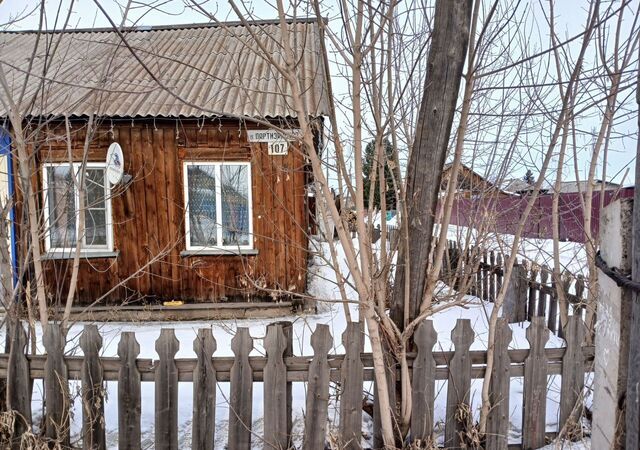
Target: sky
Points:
(570, 18)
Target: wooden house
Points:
(204, 211)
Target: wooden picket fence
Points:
(277, 370)
(531, 292)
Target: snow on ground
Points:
(322, 285)
(567, 445)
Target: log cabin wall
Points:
(149, 216)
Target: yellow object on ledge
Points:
(174, 303)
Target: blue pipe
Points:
(5, 149)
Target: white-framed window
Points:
(62, 208)
(218, 205)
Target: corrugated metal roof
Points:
(201, 70)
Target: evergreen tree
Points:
(368, 167)
(528, 177)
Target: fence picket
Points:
(572, 386)
(498, 419)
(423, 384)
(275, 390)
(485, 275)
(241, 395)
(93, 437)
(204, 391)
(544, 296)
(535, 386)
(533, 276)
(129, 393)
(515, 301)
(553, 306)
(287, 329)
(492, 276)
(459, 381)
(499, 273)
(18, 384)
(315, 428)
(166, 391)
(56, 386)
(351, 381)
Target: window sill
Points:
(219, 252)
(83, 254)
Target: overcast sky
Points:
(570, 19)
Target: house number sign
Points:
(277, 144)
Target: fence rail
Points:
(276, 371)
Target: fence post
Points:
(572, 374)
(535, 386)
(423, 384)
(315, 428)
(498, 419)
(18, 384)
(241, 395)
(515, 301)
(459, 382)
(204, 391)
(56, 386)
(351, 378)
(166, 389)
(93, 437)
(275, 390)
(485, 276)
(611, 363)
(128, 393)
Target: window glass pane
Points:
(96, 208)
(94, 188)
(61, 204)
(235, 204)
(202, 205)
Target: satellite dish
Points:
(115, 163)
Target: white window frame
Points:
(218, 188)
(109, 219)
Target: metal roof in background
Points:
(200, 70)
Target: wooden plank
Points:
(151, 210)
(56, 386)
(498, 419)
(542, 300)
(423, 383)
(552, 318)
(18, 388)
(275, 390)
(204, 391)
(572, 387)
(287, 329)
(166, 390)
(175, 212)
(485, 276)
(351, 379)
(492, 279)
(128, 393)
(515, 301)
(531, 308)
(499, 272)
(535, 386)
(163, 220)
(241, 394)
(317, 401)
(459, 381)
(93, 421)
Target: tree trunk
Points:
(444, 72)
